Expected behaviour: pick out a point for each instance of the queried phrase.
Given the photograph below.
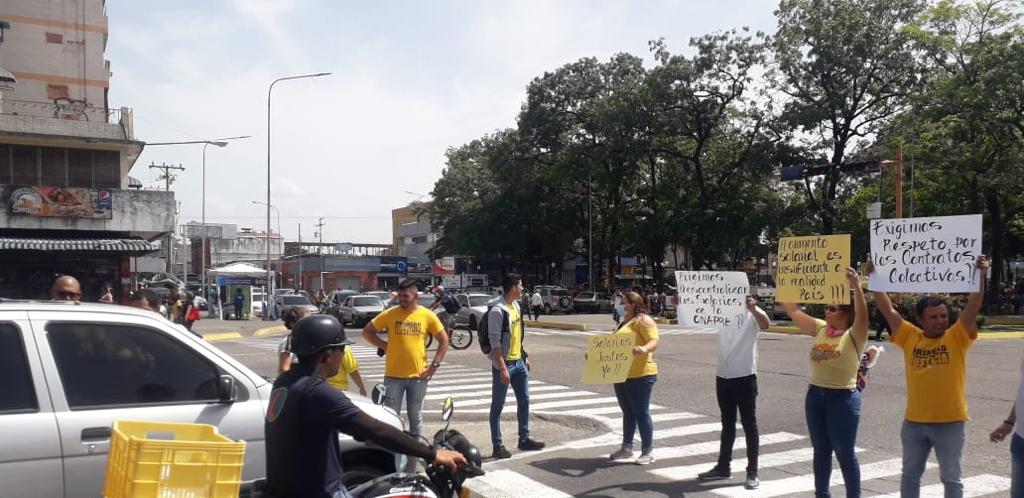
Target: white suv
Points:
(68, 370)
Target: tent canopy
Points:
(238, 270)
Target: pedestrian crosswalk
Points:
(685, 443)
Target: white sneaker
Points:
(645, 458)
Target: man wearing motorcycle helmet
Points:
(305, 414)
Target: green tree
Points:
(846, 66)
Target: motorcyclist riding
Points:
(305, 414)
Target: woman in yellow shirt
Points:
(349, 363)
(832, 406)
(634, 394)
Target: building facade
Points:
(65, 154)
(413, 238)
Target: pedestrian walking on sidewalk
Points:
(935, 361)
(239, 304)
(832, 405)
(510, 364)
(406, 371)
(736, 390)
(634, 394)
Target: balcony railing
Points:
(67, 111)
(77, 110)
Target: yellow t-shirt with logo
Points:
(643, 365)
(834, 360)
(515, 339)
(406, 354)
(349, 364)
(936, 373)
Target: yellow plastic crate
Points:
(170, 460)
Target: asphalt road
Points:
(686, 423)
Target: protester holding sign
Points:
(832, 405)
(935, 359)
(736, 389)
(634, 394)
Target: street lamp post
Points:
(269, 93)
(278, 211)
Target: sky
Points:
(409, 80)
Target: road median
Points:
(579, 327)
(222, 336)
(274, 330)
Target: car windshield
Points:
(294, 300)
(585, 295)
(479, 300)
(366, 301)
(559, 293)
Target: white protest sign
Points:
(712, 298)
(926, 254)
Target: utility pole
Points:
(166, 175)
(320, 249)
(298, 285)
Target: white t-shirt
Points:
(536, 300)
(1018, 429)
(737, 349)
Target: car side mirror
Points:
(227, 390)
(378, 394)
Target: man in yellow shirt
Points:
(406, 371)
(935, 359)
(509, 364)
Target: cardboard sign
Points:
(608, 359)
(813, 269)
(926, 254)
(712, 298)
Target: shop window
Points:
(55, 38)
(54, 167)
(15, 377)
(79, 168)
(26, 165)
(106, 169)
(56, 92)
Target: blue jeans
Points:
(918, 441)
(634, 397)
(412, 391)
(1017, 467)
(832, 419)
(519, 379)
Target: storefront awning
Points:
(130, 246)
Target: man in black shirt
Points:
(305, 414)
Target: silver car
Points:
(71, 369)
(360, 309)
(474, 306)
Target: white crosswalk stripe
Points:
(784, 459)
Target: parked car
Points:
(474, 307)
(71, 369)
(556, 299)
(332, 303)
(360, 309)
(285, 301)
(592, 302)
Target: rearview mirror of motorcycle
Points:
(447, 409)
(378, 394)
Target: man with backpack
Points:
(503, 328)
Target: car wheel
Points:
(359, 474)
(472, 322)
(430, 340)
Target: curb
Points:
(995, 336)
(275, 330)
(221, 336)
(579, 327)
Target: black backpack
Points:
(450, 304)
(482, 330)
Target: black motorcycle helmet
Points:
(315, 333)
(456, 441)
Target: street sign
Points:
(874, 210)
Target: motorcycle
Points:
(436, 481)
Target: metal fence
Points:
(62, 108)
